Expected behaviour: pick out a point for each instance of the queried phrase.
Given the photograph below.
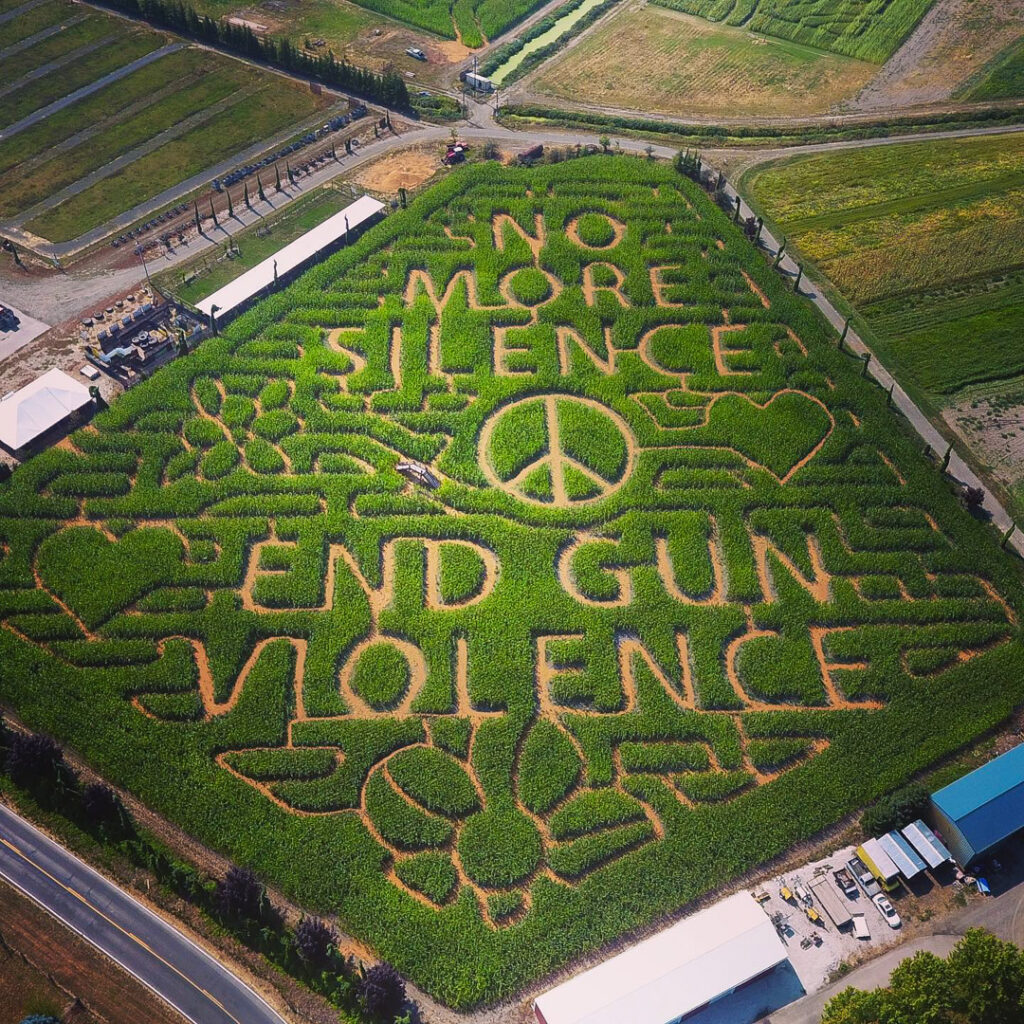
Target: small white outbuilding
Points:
(665, 978)
(27, 414)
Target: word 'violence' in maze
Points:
(678, 555)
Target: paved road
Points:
(64, 101)
(145, 945)
(24, 44)
(18, 11)
(44, 69)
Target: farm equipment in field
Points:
(418, 474)
(456, 154)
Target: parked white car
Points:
(886, 909)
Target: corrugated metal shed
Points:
(293, 256)
(982, 809)
(927, 844)
(673, 973)
(901, 854)
(30, 412)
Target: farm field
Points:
(166, 120)
(45, 966)
(958, 55)
(469, 22)
(682, 597)
(691, 66)
(925, 240)
(1004, 79)
(870, 30)
(369, 38)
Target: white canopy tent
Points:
(675, 972)
(36, 408)
(293, 256)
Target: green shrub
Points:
(530, 287)
(896, 810)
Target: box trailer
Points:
(828, 898)
(880, 864)
(477, 82)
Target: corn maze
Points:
(682, 596)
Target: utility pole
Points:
(141, 253)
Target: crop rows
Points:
(682, 597)
(868, 29)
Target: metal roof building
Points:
(902, 854)
(27, 414)
(927, 844)
(976, 813)
(295, 257)
(675, 973)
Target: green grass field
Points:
(40, 92)
(54, 12)
(197, 107)
(1004, 79)
(270, 106)
(870, 30)
(188, 101)
(469, 20)
(91, 29)
(923, 239)
(192, 282)
(691, 66)
(684, 596)
(105, 109)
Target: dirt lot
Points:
(991, 421)
(693, 67)
(953, 42)
(45, 968)
(408, 169)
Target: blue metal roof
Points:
(987, 805)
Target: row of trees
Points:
(35, 762)
(389, 88)
(980, 982)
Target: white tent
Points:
(294, 255)
(37, 407)
(677, 971)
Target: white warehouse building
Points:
(697, 962)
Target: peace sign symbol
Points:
(559, 450)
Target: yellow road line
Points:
(28, 860)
